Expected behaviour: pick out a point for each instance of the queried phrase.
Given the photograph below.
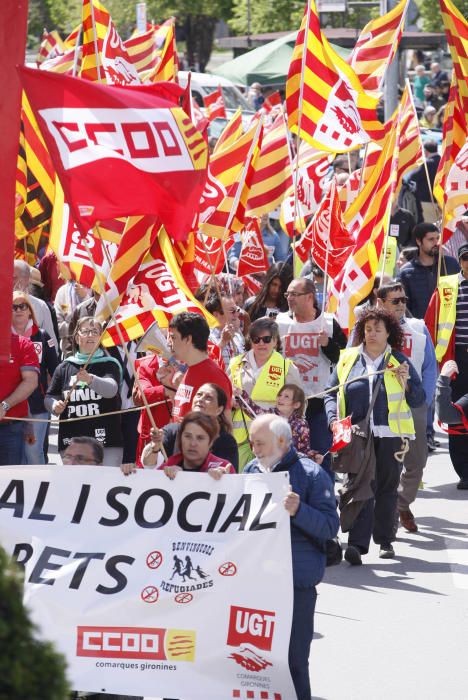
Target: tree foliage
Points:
(29, 668)
(265, 16)
(431, 17)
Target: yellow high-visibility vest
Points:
(271, 379)
(400, 419)
(448, 293)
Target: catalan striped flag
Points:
(50, 47)
(325, 100)
(105, 58)
(72, 38)
(367, 219)
(21, 192)
(456, 31)
(143, 51)
(40, 176)
(454, 134)
(230, 213)
(214, 105)
(273, 176)
(67, 64)
(231, 133)
(167, 62)
(157, 292)
(377, 45)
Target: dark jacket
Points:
(357, 393)
(48, 362)
(316, 520)
(419, 282)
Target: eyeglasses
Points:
(20, 307)
(398, 300)
(78, 459)
(90, 332)
(464, 257)
(262, 339)
(295, 294)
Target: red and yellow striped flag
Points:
(325, 100)
(105, 58)
(68, 64)
(230, 213)
(273, 175)
(368, 219)
(21, 192)
(454, 134)
(143, 51)
(231, 133)
(167, 62)
(456, 31)
(72, 38)
(51, 46)
(377, 45)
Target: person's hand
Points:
(316, 456)
(292, 502)
(84, 376)
(58, 407)
(156, 436)
(171, 471)
(176, 379)
(449, 368)
(323, 339)
(402, 373)
(226, 334)
(128, 468)
(136, 396)
(217, 472)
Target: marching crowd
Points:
(268, 389)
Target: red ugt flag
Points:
(120, 151)
(214, 105)
(253, 257)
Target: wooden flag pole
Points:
(76, 52)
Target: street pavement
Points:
(397, 629)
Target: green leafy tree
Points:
(29, 668)
(431, 17)
(265, 16)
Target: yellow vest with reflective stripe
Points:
(448, 293)
(271, 379)
(399, 421)
(388, 267)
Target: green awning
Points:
(267, 65)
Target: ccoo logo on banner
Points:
(144, 583)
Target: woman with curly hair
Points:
(378, 339)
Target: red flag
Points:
(342, 434)
(327, 229)
(120, 151)
(214, 105)
(253, 257)
(208, 257)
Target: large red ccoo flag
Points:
(120, 151)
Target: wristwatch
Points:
(5, 405)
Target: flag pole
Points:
(96, 49)
(76, 52)
(118, 329)
(429, 186)
(299, 123)
(240, 186)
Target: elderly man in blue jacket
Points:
(311, 505)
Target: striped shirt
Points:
(461, 323)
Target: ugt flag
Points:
(120, 151)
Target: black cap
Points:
(462, 250)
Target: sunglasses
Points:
(398, 300)
(262, 339)
(20, 307)
(464, 257)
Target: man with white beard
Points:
(311, 505)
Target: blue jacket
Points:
(357, 393)
(316, 520)
(419, 282)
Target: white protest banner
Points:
(156, 587)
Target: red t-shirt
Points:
(23, 356)
(203, 372)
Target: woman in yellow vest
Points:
(378, 338)
(261, 371)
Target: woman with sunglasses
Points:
(261, 372)
(24, 324)
(86, 385)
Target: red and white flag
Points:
(253, 257)
(209, 254)
(214, 105)
(342, 434)
(120, 151)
